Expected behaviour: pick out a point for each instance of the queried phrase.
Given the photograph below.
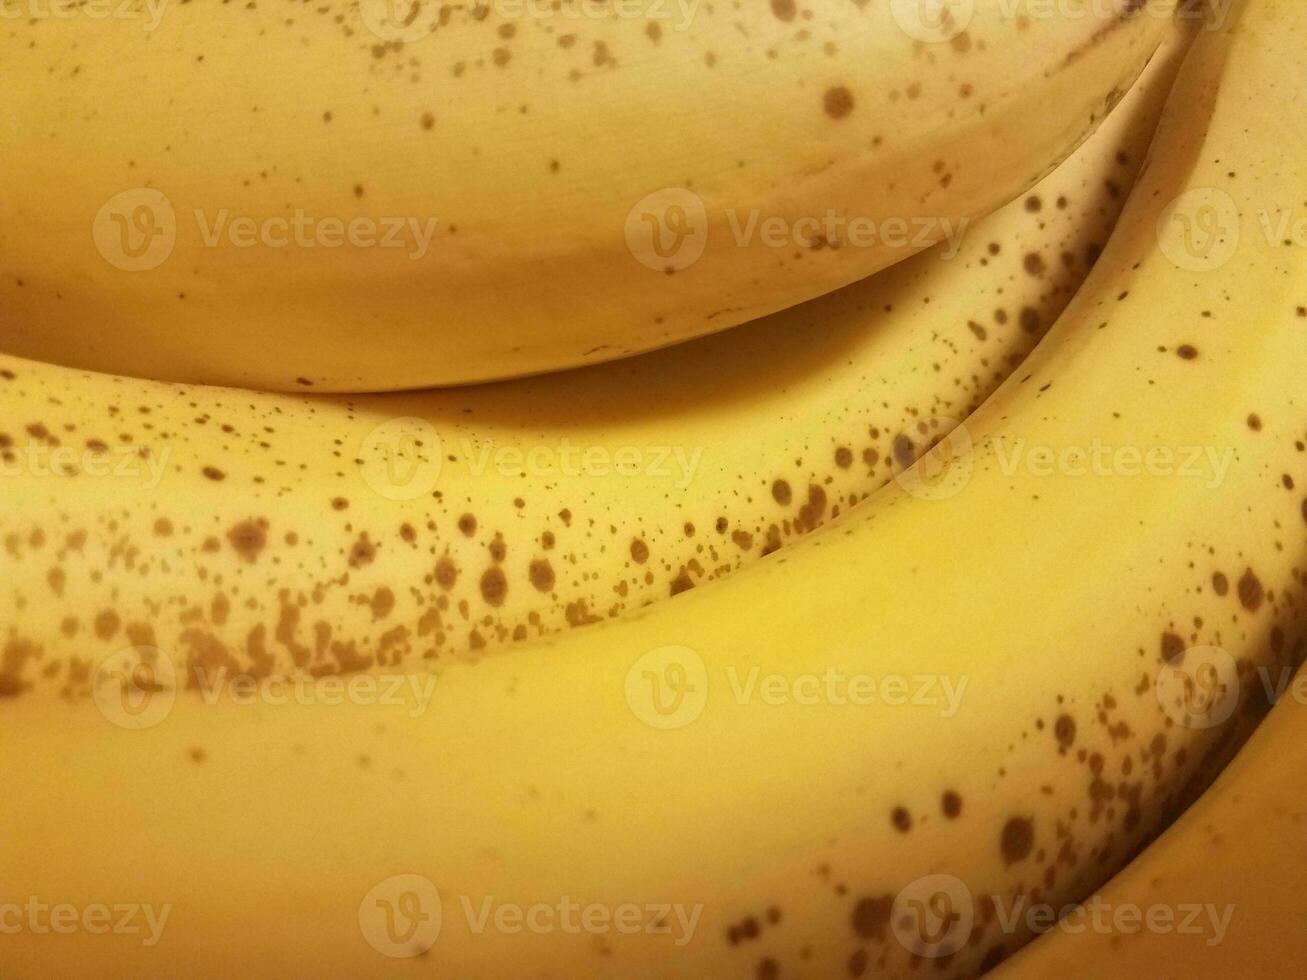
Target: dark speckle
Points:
(1017, 839)
(901, 819)
(1251, 593)
(951, 804)
(871, 916)
(838, 102)
(248, 538)
(542, 575)
(1172, 648)
(992, 959)
(494, 586)
(1064, 730)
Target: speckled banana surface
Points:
(1218, 894)
(386, 194)
(326, 534)
(846, 760)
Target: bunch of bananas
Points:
(326, 676)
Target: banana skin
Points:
(324, 534)
(342, 199)
(550, 813)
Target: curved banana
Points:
(997, 648)
(445, 522)
(1216, 895)
(383, 195)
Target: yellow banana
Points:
(667, 795)
(1216, 896)
(387, 195)
(480, 516)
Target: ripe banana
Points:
(384, 195)
(664, 795)
(1217, 895)
(480, 516)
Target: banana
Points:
(482, 516)
(376, 196)
(997, 644)
(1216, 895)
